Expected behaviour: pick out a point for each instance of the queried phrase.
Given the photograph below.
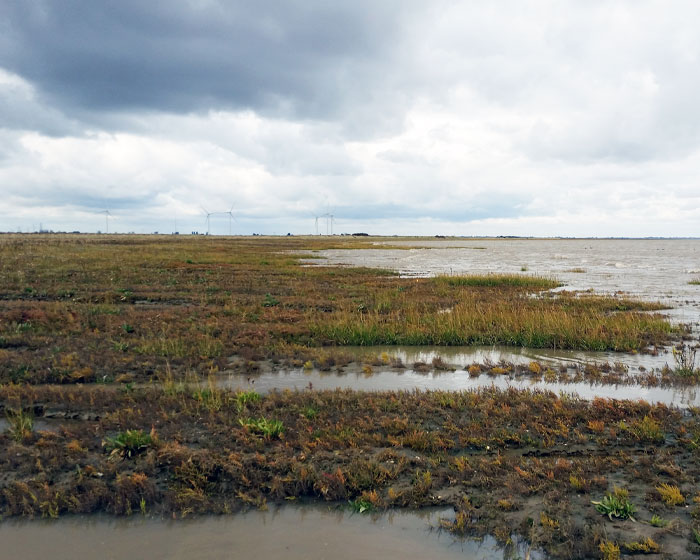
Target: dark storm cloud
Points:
(303, 59)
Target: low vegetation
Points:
(114, 343)
(87, 309)
(616, 504)
(510, 463)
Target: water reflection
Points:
(408, 380)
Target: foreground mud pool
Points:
(513, 464)
(206, 394)
(310, 532)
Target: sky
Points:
(396, 117)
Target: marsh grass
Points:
(21, 424)
(521, 281)
(490, 454)
(191, 302)
(684, 356)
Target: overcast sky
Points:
(397, 117)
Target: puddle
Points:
(386, 378)
(459, 380)
(309, 532)
(38, 426)
(463, 356)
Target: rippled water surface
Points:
(651, 269)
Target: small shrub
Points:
(671, 495)
(647, 429)
(646, 546)
(578, 483)
(597, 426)
(535, 368)
(548, 522)
(505, 505)
(609, 550)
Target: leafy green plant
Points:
(309, 412)
(361, 505)
(616, 504)
(270, 301)
(268, 428)
(696, 535)
(128, 443)
(657, 521)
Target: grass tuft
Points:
(128, 443)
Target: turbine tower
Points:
(107, 215)
(229, 213)
(208, 216)
(231, 218)
(330, 219)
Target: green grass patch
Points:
(522, 281)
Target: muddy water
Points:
(309, 532)
(385, 378)
(657, 270)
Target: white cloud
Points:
(545, 118)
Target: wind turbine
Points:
(329, 222)
(208, 215)
(107, 215)
(231, 217)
